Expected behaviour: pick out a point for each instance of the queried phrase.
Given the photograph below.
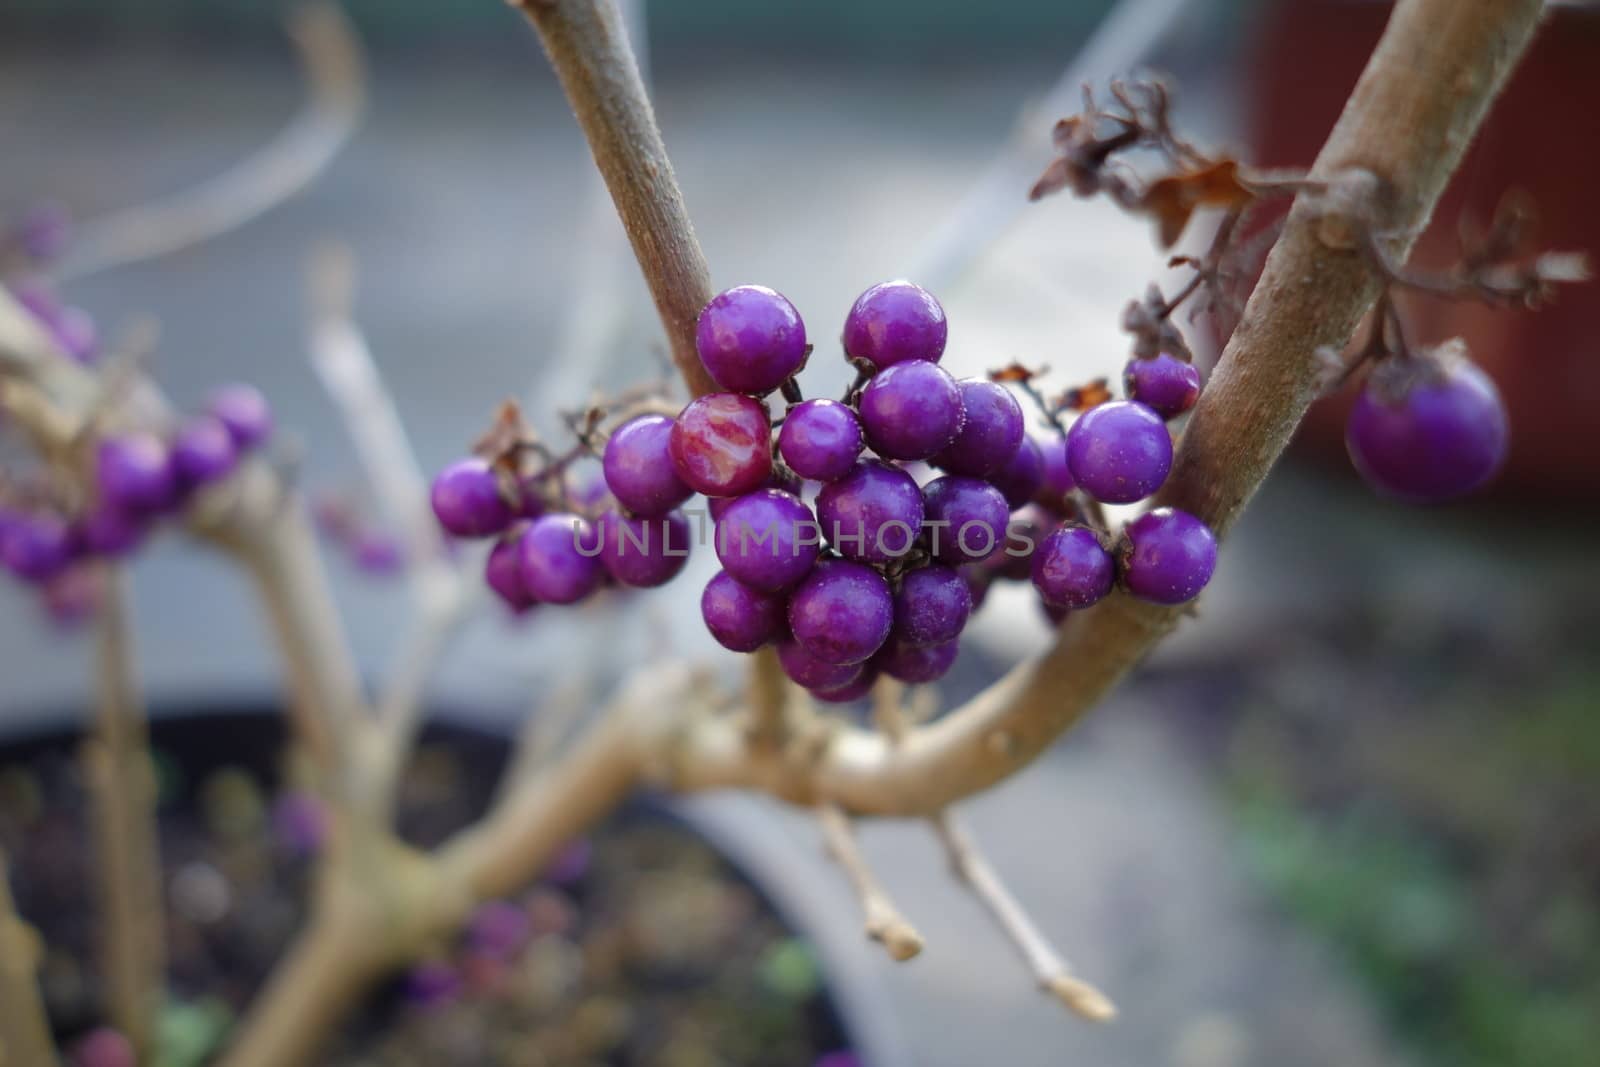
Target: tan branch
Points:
(884, 922)
(24, 1025)
(330, 56)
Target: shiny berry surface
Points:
(917, 664)
(36, 546)
(743, 619)
(643, 553)
(135, 472)
(721, 445)
(820, 440)
(638, 467)
(1071, 569)
(560, 561)
(894, 322)
(1020, 477)
(805, 669)
(1167, 556)
(503, 573)
(991, 430)
(911, 411)
(967, 518)
(873, 514)
(203, 451)
(1165, 384)
(467, 501)
(1428, 430)
(842, 612)
(244, 410)
(750, 339)
(768, 539)
(1119, 452)
(931, 606)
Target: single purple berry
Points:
(73, 597)
(807, 671)
(467, 499)
(1166, 384)
(917, 664)
(1072, 569)
(743, 619)
(300, 823)
(911, 410)
(768, 539)
(991, 430)
(842, 612)
(873, 514)
(1119, 452)
(750, 339)
(931, 606)
(1055, 480)
(1428, 429)
(104, 1047)
(433, 984)
(44, 231)
(245, 412)
(203, 452)
(820, 439)
(966, 518)
(894, 322)
(37, 545)
(110, 531)
(377, 553)
(721, 444)
(560, 559)
(1167, 556)
(850, 691)
(1026, 529)
(638, 467)
(498, 929)
(1021, 476)
(644, 553)
(503, 573)
(134, 472)
(570, 863)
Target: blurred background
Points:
(1350, 815)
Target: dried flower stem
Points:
(885, 924)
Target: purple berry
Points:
(820, 439)
(750, 339)
(1119, 452)
(498, 929)
(1021, 476)
(638, 467)
(769, 540)
(1427, 429)
(104, 1047)
(1027, 528)
(966, 518)
(300, 823)
(76, 334)
(377, 553)
(931, 606)
(1056, 479)
(134, 472)
(850, 691)
(806, 670)
(503, 573)
(36, 546)
(111, 532)
(433, 984)
(570, 863)
(245, 412)
(1166, 384)
(560, 559)
(44, 231)
(740, 618)
(203, 451)
(721, 445)
(644, 553)
(1071, 569)
(991, 430)
(72, 597)
(842, 612)
(911, 410)
(1167, 556)
(873, 514)
(917, 664)
(894, 322)
(467, 499)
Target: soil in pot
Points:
(639, 946)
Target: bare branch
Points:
(885, 924)
(24, 1025)
(331, 58)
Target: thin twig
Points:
(122, 814)
(1048, 967)
(544, 729)
(330, 55)
(884, 922)
(24, 1024)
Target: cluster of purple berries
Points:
(855, 535)
(139, 477)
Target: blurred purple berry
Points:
(1119, 452)
(377, 553)
(911, 410)
(768, 539)
(842, 612)
(135, 472)
(966, 517)
(1020, 478)
(110, 531)
(37, 545)
(917, 664)
(203, 451)
(570, 863)
(894, 322)
(865, 679)
(44, 231)
(300, 823)
(103, 1047)
(807, 671)
(503, 573)
(643, 553)
(721, 444)
(1166, 384)
(750, 339)
(467, 499)
(742, 619)
(1167, 556)
(245, 412)
(498, 929)
(820, 439)
(433, 984)
(873, 514)
(1072, 569)
(931, 606)
(560, 559)
(1055, 480)
(72, 597)
(991, 430)
(638, 467)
